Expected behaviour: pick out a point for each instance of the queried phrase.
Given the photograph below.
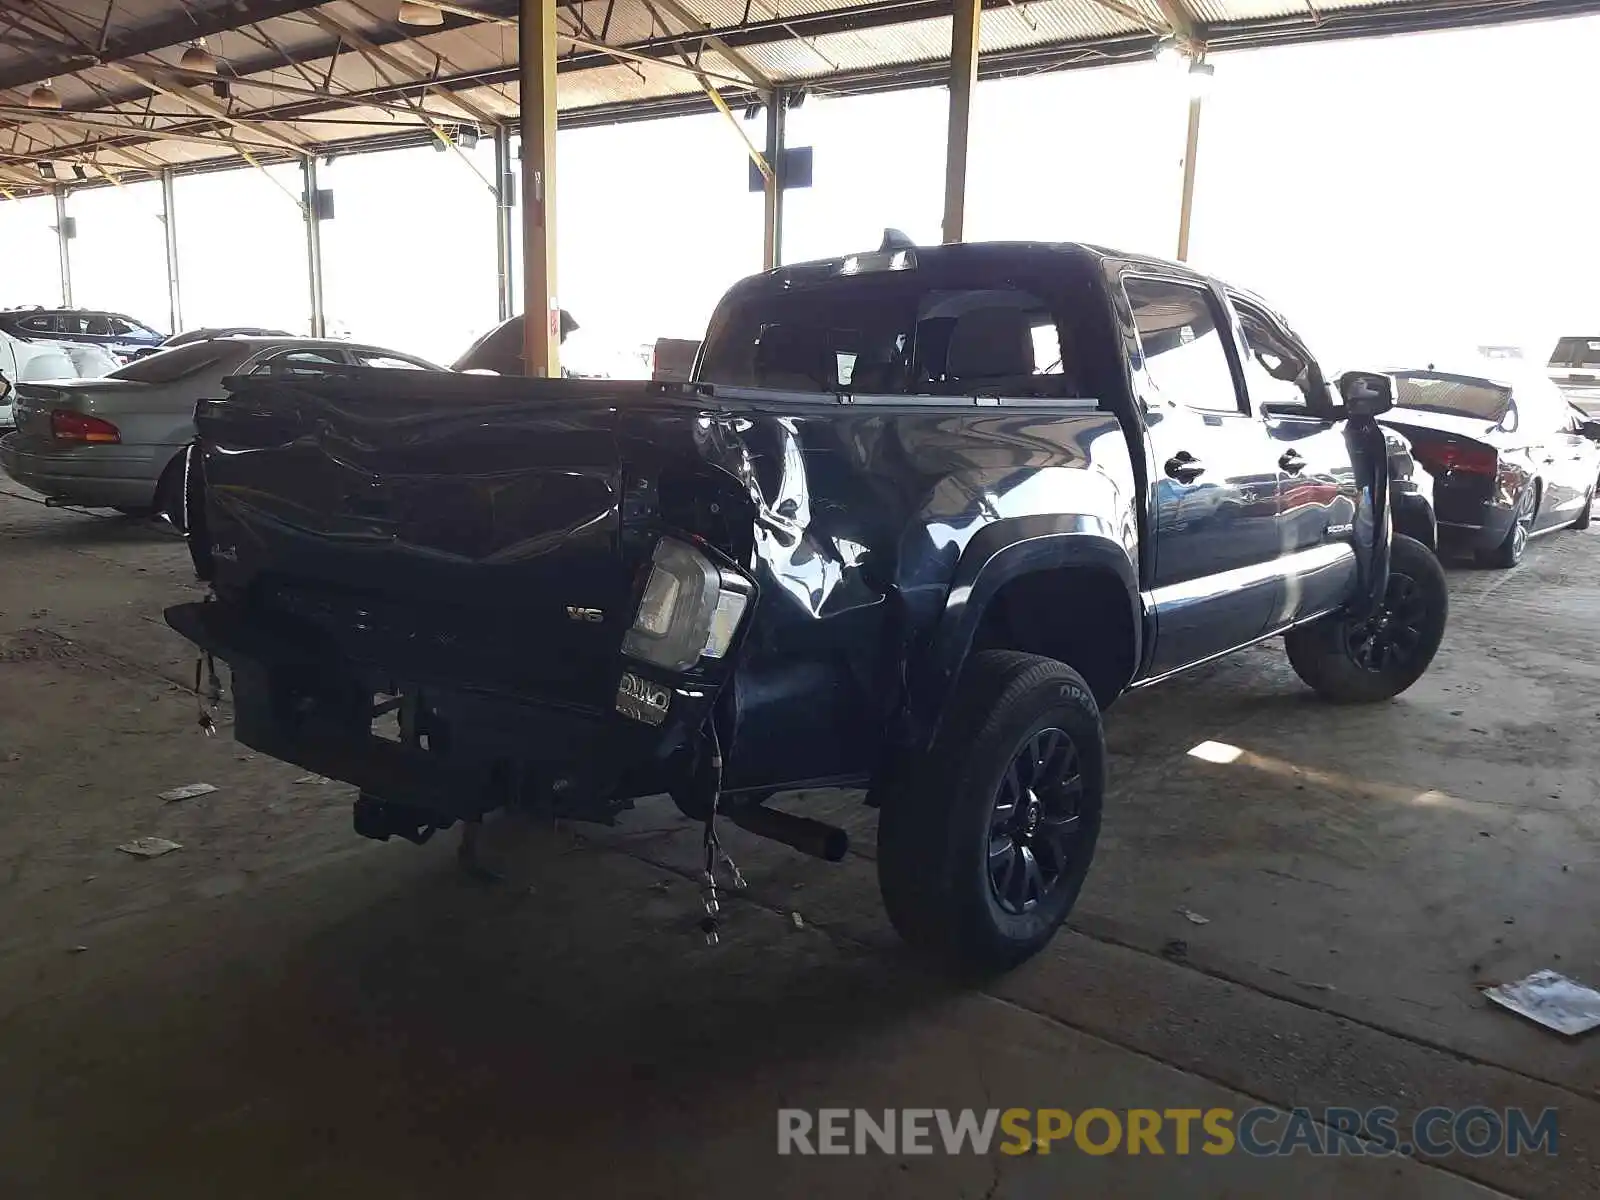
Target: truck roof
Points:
(1000, 254)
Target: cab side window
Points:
(1275, 371)
(1185, 356)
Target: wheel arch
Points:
(1061, 586)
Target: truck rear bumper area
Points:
(467, 752)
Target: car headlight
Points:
(690, 609)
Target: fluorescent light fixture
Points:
(44, 96)
(412, 13)
(198, 58)
(1169, 53)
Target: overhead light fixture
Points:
(412, 13)
(198, 58)
(47, 170)
(467, 137)
(1169, 53)
(79, 171)
(44, 96)
(1201, 76)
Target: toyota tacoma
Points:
(920, 516)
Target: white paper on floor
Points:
(149, 847)
(188, 792)
(1552, 1000)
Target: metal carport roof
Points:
(297, 77)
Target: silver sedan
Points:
(117, 442)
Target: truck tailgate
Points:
(436, 532)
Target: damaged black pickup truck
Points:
(923, 514)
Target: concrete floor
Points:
(283, 1009)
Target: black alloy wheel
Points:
(1035, 821)
(1390, 639)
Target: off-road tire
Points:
(1322, 652)
(936, 826)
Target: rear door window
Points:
(1185, 356)
(44, 324)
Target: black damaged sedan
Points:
(1510, 458)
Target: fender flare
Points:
(999, 553)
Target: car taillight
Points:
(1453, 456)
(76, 427)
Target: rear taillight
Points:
(76, 427)
(1454, 456)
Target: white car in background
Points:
(117, 442)
(1575, 368)
(23, 361)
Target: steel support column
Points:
(169, 221)
(1190, 151)
(308, 173)
(504, 232)
(64, 247)
(772, 191)
(963, 79)
(541, 312)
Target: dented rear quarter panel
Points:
(880, 527)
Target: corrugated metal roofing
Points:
(302, 76)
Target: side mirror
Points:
(1366, 393)
(1590, 429)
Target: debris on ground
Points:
(312, 779)
(1175, 948)
(1552, 1000)
(1193, 918)
(78, 950)
(149, 847)
(188, 792)
(799, 921)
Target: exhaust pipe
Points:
(815, 838)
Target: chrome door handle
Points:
(1292, 462)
